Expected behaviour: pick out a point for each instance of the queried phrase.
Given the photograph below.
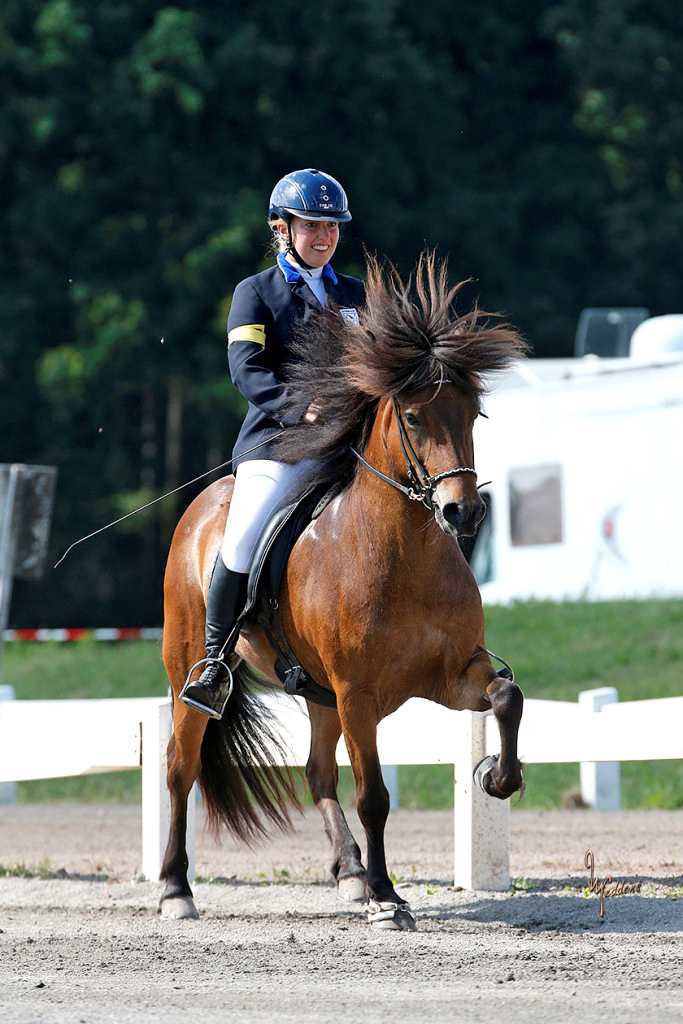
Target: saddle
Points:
(263, 589)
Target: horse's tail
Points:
(244, 778)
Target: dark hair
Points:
(409, 336)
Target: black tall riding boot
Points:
(225, 600)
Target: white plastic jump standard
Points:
(600, 780)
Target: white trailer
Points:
(586, 492)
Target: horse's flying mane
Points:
(409, 336)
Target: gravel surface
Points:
(81, 939)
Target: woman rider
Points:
(305, 211)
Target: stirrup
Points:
(207, 709)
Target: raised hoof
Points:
(178, 908)
(482, 770)
(397, 917)
(351, 889)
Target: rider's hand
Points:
(314, 412)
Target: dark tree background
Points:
(538, 144)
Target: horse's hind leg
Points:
(184, 759)
(322, 775)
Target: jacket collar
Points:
(292, 275)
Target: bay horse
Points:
(377, 602)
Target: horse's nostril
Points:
(464, 514)
(452, 513)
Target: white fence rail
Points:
(49, 739)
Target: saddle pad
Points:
(275, 545)
(265, 578)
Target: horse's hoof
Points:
(481, 770)
(402, 921)
(387, 916)
(351, 889)
(178, 908)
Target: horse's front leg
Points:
(322, 775)
(500, 775)
(184, 759)
(385, 908)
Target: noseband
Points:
(422, 484)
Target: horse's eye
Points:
(412, 420)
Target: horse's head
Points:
(429, 438)
(412, 344)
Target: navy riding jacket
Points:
(266, 308)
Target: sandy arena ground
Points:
(81, 940)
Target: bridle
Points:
(422, 484)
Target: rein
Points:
(422, 484)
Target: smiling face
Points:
(314, 240)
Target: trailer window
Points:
(536, 505)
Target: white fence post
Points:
(482, 823)
(600, 780)
(8, 790)
(157, 728)
(390, 776)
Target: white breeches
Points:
(260, 485)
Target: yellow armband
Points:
(250, 332)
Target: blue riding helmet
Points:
(311, 194)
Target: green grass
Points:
(86, 668)
(556, 651)
(43, 870)
(559, 649)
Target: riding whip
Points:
(161, 497)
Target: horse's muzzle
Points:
(460, 518)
